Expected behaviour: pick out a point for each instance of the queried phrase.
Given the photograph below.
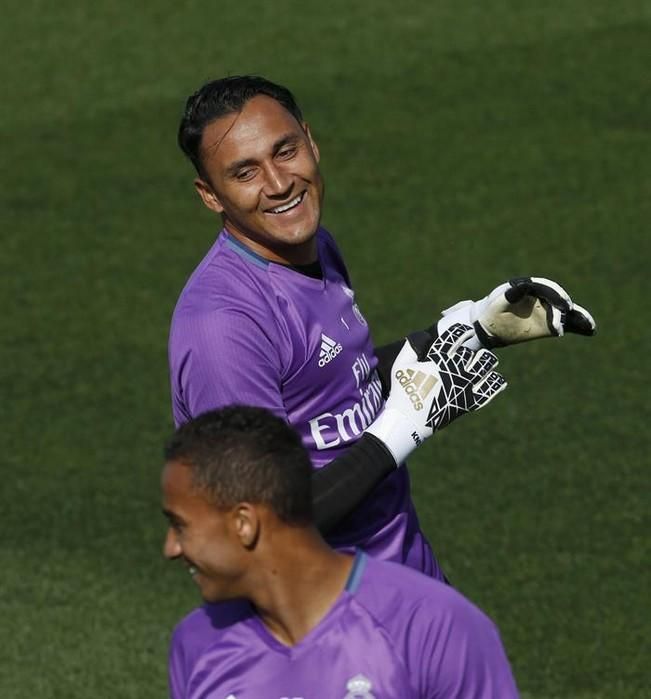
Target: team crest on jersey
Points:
(351, 295)
(359, 687)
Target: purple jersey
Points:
(251, 332)
(391, 634)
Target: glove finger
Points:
(486, 389)
(517, 289)
(462, 334)
(541, 288)
(555, 319)
(450, 340)
(464, 356)
(580, 321)
(482, 363)
(552, 292)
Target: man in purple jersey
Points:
(269, 318)
(286, 615)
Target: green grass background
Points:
(462, 144)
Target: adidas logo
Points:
(417, 385)
(329, 350)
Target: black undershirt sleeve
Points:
(386, 355)
(339, 487)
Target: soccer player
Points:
(269, 318)
(286, 615)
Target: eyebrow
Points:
(233, 168)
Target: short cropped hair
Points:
(245, 454)
(221, 97)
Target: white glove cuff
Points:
(398, 434)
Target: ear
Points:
(247, 524)
(313, 145)
(208, 196)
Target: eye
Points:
(287, 152)
(245, 175)
(176, 526)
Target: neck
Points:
(300, 254)
(297, 584)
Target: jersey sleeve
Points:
(224, 358)
(460, 655)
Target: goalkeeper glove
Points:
(432, 384)
(522, 309)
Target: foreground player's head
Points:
(228, 474)
(257, 164)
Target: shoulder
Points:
(443, 639)
(222, 280)
(203, 624)
(225, 295)
(426, 602)
(198, 631)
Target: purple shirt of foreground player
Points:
(392, 634)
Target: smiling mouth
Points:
(292, 204)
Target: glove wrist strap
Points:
(397, 433)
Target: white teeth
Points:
(285, 207)
(192, 570)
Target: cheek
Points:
(212, 552)
(243, 199)
(310, 168)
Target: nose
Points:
(278, 182)
(171, 546)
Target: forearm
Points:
(339, 487)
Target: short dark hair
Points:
(225, 96)
(245, 454)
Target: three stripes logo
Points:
(329, 350)
(417, 384)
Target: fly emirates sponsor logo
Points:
(330, 429)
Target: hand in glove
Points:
(520, 310)
(433, 382)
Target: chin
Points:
(301, 235)
(300, 238)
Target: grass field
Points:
(461, 145)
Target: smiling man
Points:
(269, 318)
(282, 605)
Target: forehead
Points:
(250, 132)
(178, 490)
